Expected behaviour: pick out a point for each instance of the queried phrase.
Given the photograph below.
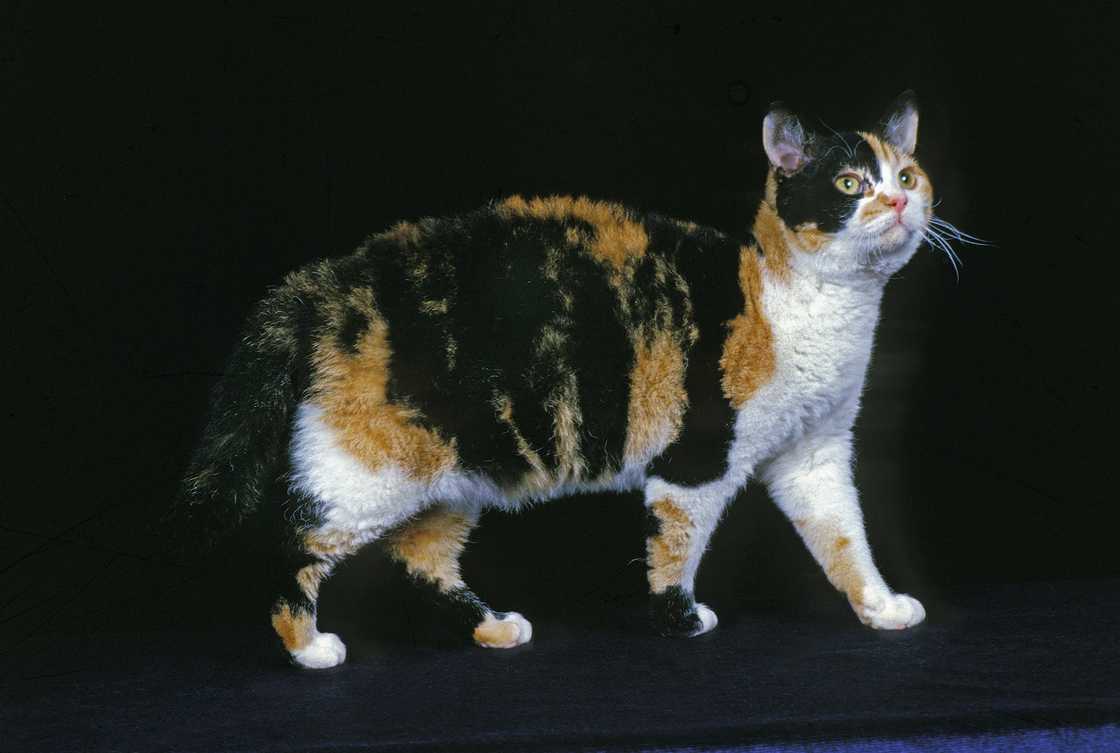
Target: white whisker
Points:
(957, 234)
(938, 242)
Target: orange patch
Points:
(925, 187)
(430, 544)
(770, 232)
(833, 552)
(618, 238)
(493, 633)
(873, 209)
(567, 419)
(330, 546)
(351, 390)
(538, 478)
(310, 577)
(810, 238)
(294, 628)
(882, 150)
(657, 396)
(748, 359)
(667, 552)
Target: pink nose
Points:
(896, 201)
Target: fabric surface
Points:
(1026, 667)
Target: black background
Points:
(162, 168)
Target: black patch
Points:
(809, 195)
(652, 524)
(673, 613)
(601, 353)
(459, 609)
(354, 324)
(426, 612)
(491, 271)
(709, 263)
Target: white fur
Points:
(524, 627)
(325, 650)
(352, 498)
(708, 620)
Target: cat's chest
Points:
(822, 335)
(821, 338)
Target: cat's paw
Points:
(890, 611)
(503, 630)
(708, 619)
(676, 615)
(325, 650)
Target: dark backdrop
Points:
(161, 170)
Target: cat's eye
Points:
(848, 184)
(908, 178)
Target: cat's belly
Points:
(348, 495)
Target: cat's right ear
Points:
(784, 139)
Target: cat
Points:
(536, 348)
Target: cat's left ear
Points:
(900, 124)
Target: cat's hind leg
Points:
(429, 546)
(306, 563)
(680, 522)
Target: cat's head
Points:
(854, 202)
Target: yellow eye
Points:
(908, 178)
(848, 184)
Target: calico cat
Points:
(536, 348)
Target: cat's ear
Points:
(784, 140)
(900, 124)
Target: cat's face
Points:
(856, 201)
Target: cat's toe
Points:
(325, 650)
(503, 630)
(891, 612)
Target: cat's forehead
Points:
(852, 150)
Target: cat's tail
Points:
(245, 435)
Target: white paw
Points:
(324, 650)
(891, 611)
(708, 620)
(507, 631)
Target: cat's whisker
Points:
(952, 254)
(958, 234)
(938, 242)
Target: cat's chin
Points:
(895, 239)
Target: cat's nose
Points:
(896, 201)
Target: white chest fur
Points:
(822, 334)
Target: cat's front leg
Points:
(681, 520)
(812, 484)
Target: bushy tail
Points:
(245, 436)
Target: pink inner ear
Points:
(788, 157)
